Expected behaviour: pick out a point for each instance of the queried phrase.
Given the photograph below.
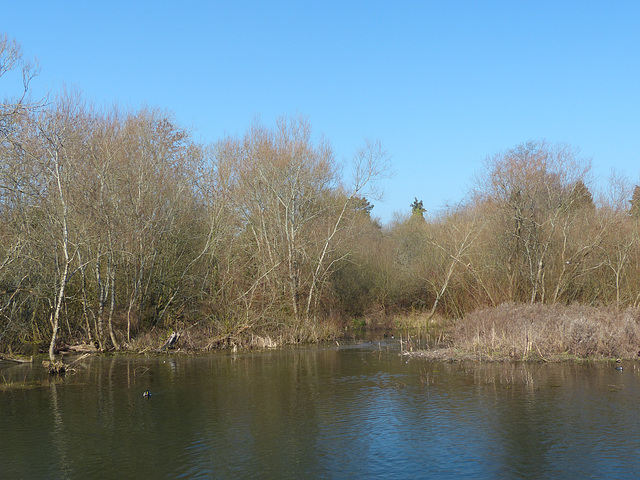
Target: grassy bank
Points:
(542, 332)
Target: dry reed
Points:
(545, 331)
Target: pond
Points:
(354, 411)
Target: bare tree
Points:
(55, 130)
(293, 210)
(370, 165)
(284, 183)
(456, 238)
(12, 59)
(535, 184)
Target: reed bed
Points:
(545, 332)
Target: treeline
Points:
(115, 223)
(531, 231)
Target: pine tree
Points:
(417, 208)
(634, 210)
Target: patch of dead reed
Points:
(525, 331)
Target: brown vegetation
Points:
(543, 332)
(117, 228)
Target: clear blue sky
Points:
(443, 84)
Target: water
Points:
(360, 411)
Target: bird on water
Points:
(146, 394)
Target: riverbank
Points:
(509, 332)
(205, 337)
(540, 333)
(519, 332)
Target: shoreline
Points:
(508, 332)
(451, 355)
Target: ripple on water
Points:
(348, 413)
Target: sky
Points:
(442, 84)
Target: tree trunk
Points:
(56, 314)
(64, 276)
(112, 306)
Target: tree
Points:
(54, 149)
(293, 211)
(634, 209)
(580, 197)
(150, 215)
(12, 58)
(408, 241)
(417, 209)
(456, 238)
(539, 188)
(362, 204)
(284, 180)
(370, 164)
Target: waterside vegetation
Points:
(118, 229)
(539, 332)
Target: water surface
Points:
(357, 411)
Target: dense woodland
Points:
(115, 223)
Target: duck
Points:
(146, 394)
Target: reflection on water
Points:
(360, 411)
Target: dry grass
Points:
(205, 337)
(418, 320)
(544, 332)
(412, 320)
(309, 331)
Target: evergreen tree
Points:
(634, 210)
(361, 204)
(417, 208)
(580, 196)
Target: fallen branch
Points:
(83, 348)
(9, 358)
(225, 339)
(59, 367)
(81, 357)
